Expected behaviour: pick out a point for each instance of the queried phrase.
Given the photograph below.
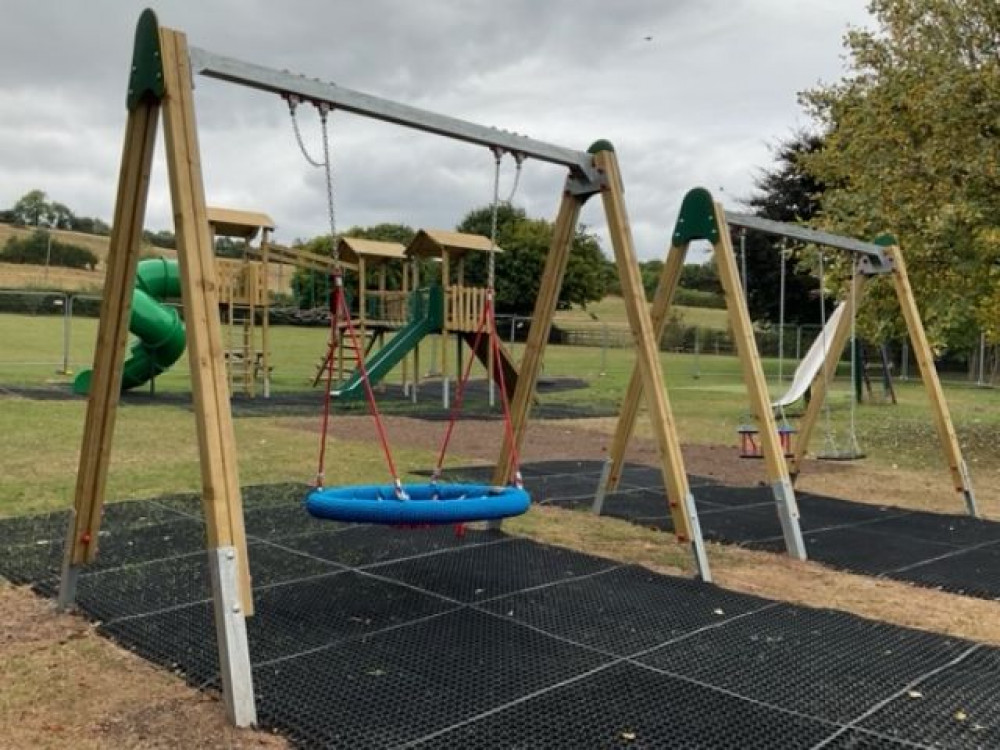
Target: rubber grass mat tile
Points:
(490, 570)
(957, 707)
(818, 662)
(625, 610)
(629, 707)
(409, 682)
(289, 619)
(868, 539)
(357, 546)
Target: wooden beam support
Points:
(679, 498)
(112, 337)
(760, 399)
(660, 313)
(925, 360)
(538, 334)
(818, 391)
(221, 497)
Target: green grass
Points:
(611, 310)
(154, 447)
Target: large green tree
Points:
(912, 147)
(784, 192)
(525, 245)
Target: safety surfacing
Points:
(954, 553)
(378, 637)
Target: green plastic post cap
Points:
(696, 220)
(146, 77)
(885, 240)
(602, 145)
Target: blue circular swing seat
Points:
(424, 504)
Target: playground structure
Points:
(245, 291)
(161, 81)
(701, 218)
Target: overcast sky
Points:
(691, 92)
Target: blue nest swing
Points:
(423, 503)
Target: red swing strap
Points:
(487, 325)
(338, 307)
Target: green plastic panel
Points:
(145, 80)
(696, 220)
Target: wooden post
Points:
(265, 333)
(362, 295)
(760, 400)
(818, 391)
(680, 500)
(221, 499)
(538, 334)
(449, 309)
(112, 337)
(663, 299)
(925, 360)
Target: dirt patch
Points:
(62, 685)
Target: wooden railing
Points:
(464, 307)
(389, 307)
(241, 283)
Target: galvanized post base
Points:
(788, 515)
(70, 573)
(702, 568)
(445, 392)
(231, 637)
(967, 492)
(602, 489)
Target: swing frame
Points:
(161, 81)
(702, 218)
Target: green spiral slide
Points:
(158, 329)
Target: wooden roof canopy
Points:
(228, 222)
(352, 249)
(434, 243)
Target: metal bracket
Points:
(788, 515)
(231, 636)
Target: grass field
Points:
(611, 311)
(706, 393)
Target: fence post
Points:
(904, 366)
(697, 352)
(604, 349)
(67, 321)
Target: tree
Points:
(40, 249)
(912, 147)
(785, 192)
(519, 268)
(32, 209)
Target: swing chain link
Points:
(324, 112)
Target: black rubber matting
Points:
(949, 552)
(370, 637)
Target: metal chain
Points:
(293, 102)
(325, 164)
(829, 443)
(491, 275)
(519, 162)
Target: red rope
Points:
(456, 406)
(515, 463)
(369, 393)
(332, 344)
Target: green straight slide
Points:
(158, 329)
(426, 317)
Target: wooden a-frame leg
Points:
(538, 334)
(221, 499)
(760, 400)
(680, 499)
(925, 360)
(112, 337)
(660, 313)
(827, 372)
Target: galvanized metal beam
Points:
(804, 234)
(583, 175)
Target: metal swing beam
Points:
(161, 82)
